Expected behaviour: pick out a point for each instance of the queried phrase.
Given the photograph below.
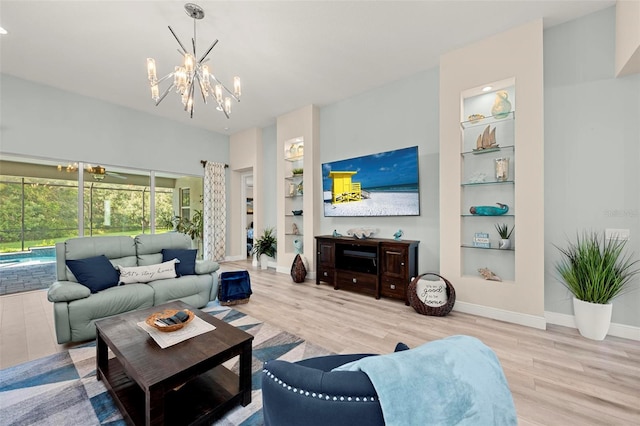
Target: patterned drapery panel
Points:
(215, 211)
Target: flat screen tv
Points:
(383, 184)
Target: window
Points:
(40, 201)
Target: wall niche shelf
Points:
(487, 178)
(488, 120)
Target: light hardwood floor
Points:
(556, 376)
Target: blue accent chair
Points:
(308, 393)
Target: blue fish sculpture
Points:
(489, 210)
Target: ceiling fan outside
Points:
(98, 172)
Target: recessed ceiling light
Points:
(3, 31)
(486, 88)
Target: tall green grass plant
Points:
(595, 269)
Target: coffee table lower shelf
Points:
(199, 400)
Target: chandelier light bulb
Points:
(151, 70)
(155, 92)
(189, 60)
(237, 88)
(218, 93)
(227, 105)
(193, 74)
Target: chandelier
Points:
(193, 73)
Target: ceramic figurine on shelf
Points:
(398, 234)
(488, 275)
(501, 106)
(489, 210)
(295, 230)
(336, 233)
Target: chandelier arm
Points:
(202, 90)
(171, 74)
(225, 88)
(191, 98)
(193, 40)
(184, 51)
(208, 51)
(165, 93)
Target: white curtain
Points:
(215, 211)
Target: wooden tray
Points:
(151, 320)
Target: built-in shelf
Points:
(488, 183)
(488, 120)
(489, 150)
(467, 246)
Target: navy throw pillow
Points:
(96, 273)
(187, 258)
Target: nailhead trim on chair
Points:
(318, 395)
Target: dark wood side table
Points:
(182, 384)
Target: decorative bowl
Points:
(297, 212)
(151, 320)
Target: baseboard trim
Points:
(501, 315)
(616, 329)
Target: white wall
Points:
(269, 209)
(42, 121)
(592, 148)
(398, 115)
(243, 160)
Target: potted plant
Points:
(595, 270)
(297, 171)
(192, 227)
(505, 234)
(265, 245)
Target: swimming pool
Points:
(32, 256)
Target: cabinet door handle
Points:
(394, 252)
(354, 280)
(326, 274)
(393, 286)
(402, 264)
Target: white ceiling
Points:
(288, 53)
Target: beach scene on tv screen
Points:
(382, 184)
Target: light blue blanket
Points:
(453, 381)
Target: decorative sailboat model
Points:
(487, 140)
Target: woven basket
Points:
(423, 309)
(151, 320)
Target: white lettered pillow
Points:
(145, 274)
(432, 293)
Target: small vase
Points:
(504, 244)
(592, 319)
(297, 245)
(502, 169)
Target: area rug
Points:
(62, 389)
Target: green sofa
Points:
(76, 308)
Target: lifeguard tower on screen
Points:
(344, 190)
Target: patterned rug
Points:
(62, 389)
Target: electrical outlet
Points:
(617, 234)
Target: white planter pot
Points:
(504, 244)
(593, 319)
(264, 260)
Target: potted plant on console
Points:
(595, 270)
(265, 246)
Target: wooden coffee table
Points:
(182, 384)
